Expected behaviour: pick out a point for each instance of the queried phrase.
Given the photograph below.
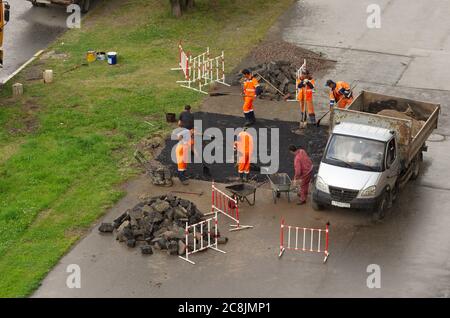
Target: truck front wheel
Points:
(316, 206)
(380, 210)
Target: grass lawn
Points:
(66, 147)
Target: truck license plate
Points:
(340, 204)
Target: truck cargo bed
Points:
(364, 109)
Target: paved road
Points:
(30, 29)
(411, 245)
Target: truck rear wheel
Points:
(416, 167)
(37, 4)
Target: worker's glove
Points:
(348, 94)
(258, 90)
(305, 80)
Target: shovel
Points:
(187, 192)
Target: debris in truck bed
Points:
(313, 139)
(409, 109)
(158, 223)
(416, 124)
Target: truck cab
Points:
(4, 18)
(359, 168)
(84, 4)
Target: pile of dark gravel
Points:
(278, 62)
(159, 223)
(281, 74)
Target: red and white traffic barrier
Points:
(201, 70)
(304, 239)
(228, 206)
(183, 62)
(206, 232)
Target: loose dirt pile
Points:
(159, 223)
(416, 124)
(392, 108)
(290, 53)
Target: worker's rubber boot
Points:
(252, 117)
(247, 119)
(183, 178)
(241, 177)
(245, 177)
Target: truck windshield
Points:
(356, 153)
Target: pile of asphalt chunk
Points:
(280, 74)
(159, 223)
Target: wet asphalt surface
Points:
(411, 245)
(30, 29)
(312, 138)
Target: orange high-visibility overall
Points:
(249, 92)
(336, 96)
(244, 146)
(305, 97)
(182, 151)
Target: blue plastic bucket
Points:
(112, 58)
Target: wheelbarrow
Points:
(241, 192)
(280, 182)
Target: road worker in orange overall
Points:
(244, 148)
(303, 168)
(340, 94)
(182, 153)
(250, 90)
(305, 90)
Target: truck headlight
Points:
(369, 192)
(321, 185)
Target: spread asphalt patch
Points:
(313, 139)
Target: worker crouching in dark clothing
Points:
(186, 119)
(303, 168)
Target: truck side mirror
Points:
(6, 13)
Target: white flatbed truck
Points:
(370, 157)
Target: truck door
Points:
(392, 163)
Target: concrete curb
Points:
(36, 55)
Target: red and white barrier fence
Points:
(304, 239)
(228, 206)
(206, 233)
(201, 70)
(183, 62)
